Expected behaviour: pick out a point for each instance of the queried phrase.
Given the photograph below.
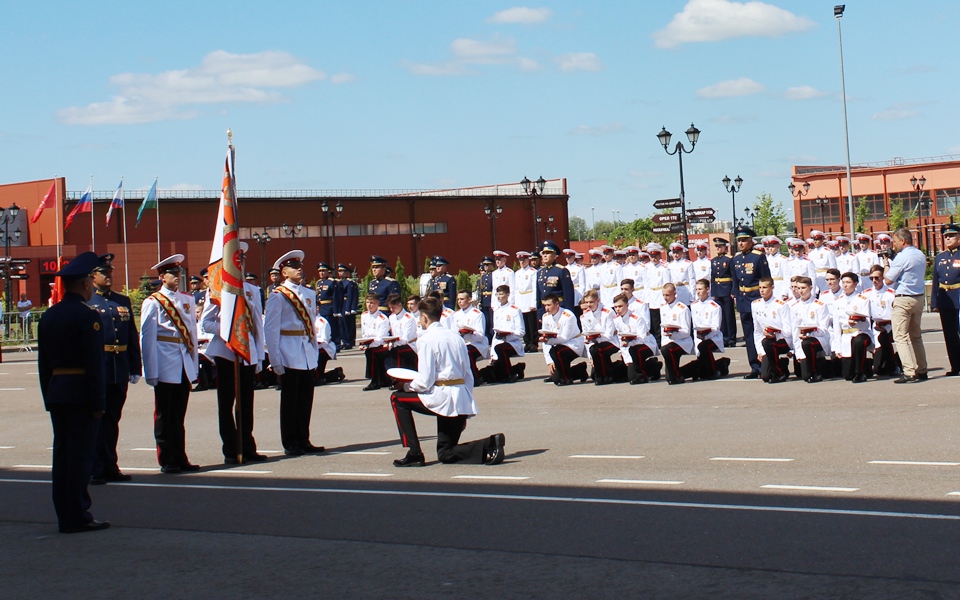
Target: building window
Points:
(810, 212)
(246, 233)
(876, 209)
(910, 203)
(947, 202)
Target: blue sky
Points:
(430, 94)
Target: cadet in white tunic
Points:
(168, 343)
(526, 299)
(507, 340)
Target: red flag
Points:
(48, 202)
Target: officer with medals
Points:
(70, 365)
(196, 289)
(747, 268)
(553, 279)
(444, 282)
(349, 300)
(328, 299)
(380, 284)
(721, 287)
(485, 289)
(121, 367)
(946, 293)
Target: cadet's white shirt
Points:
(374, 325)
(865, 260)
(507, 317)
(598, 322)
(579, 279)
(843, 331)
(773, 313)
(473, 320)
(425, 280)
(823, 258)
(610, 276)
(210, 323)
(778, 271)
(290, 351)
(636, 324)
(849, 263)
(881, 307)
(322, 328)
(526, 282)
(168, 361)
(810, 313)
(591, 276)
(656, 277)
(799, 266)
(564, 323)
(676, 315)
(504, 276)
(635, 271)
(443, 357)
(706, 314)
(702, 268)
(680, 273)
(404, 326)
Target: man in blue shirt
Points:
(905, 274)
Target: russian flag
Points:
(84, 206)
(117, 200)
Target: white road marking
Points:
(810, 488)
(12, 389)
(914, 462)
(491, 477)
(6, 447)
(143, 469)
(748, 459)
(238, 472)
(528, 498)
(270, 451)
(606, 456)
(143, 449)
(362, 453)
(640, 481)
(46, 467)
(360, 474)
(357, 385)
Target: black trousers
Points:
(655, 322)
(770, 366)
(812, 364)
(728, 319)
(640, 353)
(377, 364)
(228, 408)
(402, 356)
(170, 410)
(706, 363)
(885, 360)
(106, 461)
(746, 319)
(449, 429)
(348, 330)
(335, 336)
(671, 359)
(602, 355)
(502, 368)
(530, 335)
(487, 321)
(296, 407)
(563, 358)
(74, 442)
(856, 364)
(474, 357)
(950, 321)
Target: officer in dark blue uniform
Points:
(329, 299)
(552, 278)
(381, 284)
(445, 282)
(749, 265)
(349, 299)
(121, 367)
(946, 293)
(70, 364)
(485, 293)
(196, 289)
(721, 288)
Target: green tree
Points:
(770, 217)
(401, 276)
(860, 213)
(640, 232)
(364, 286)
(464, 282)
(898, 216)
(578, 229)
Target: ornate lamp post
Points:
(550, 229)
(292, 232)
(799, 194)
(9, 216)
(534, 189)
(733, 195)
(693, 134)
(262, 238)
(328, 217)
(923, 205)
(492, 214)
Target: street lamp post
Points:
(293, 232)
(534, 189)
(821, 204)
(733, 189)
(922, 204)
(838, 14)
(752, 215)
(9, 217)
(328, 217)
(492, 214)
(550, 228)
(417, 238)
(593, 225)
(693, 134)
(262, 238)
(799, 194)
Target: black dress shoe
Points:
(639, 380)
(951, 373)
(921, 377)
(311, 449)
(98, 480)
(117, 477)
(677, 381)
(410, 460)
(860, 379)
(548, 379)
(815, 379)
(904, 379)
(90, 526)
(563, 382)
(752, 375)
(371, 387)
(293, 452)
(255, 457)
(495, 454)
(230, 460)
(170, 469)
(189, 468)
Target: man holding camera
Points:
(905, 273)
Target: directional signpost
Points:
(668, 203)
(666, 218)
(701, 212)
(672, 228)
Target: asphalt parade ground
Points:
(726, 489)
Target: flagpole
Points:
(155, 181)
(236, 357)
(56, 280)
(123, 215)
(93, 235)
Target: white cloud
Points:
(467, 52)
(607, 129)
(897, 112)
(734, 119)
(731, 88)
(342, 78)
(473, 51)
(522, 15)
(803, 92)
(579, 61)
(222, 77)
(715, 20)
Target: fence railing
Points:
(17, 330)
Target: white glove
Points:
(277, 369)
(152, 381)
(134, 379)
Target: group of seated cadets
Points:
(829, 336)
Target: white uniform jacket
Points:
(579, 279)
(376, 326)
(289, 344)
(807, 314)
(210, 323)
(706, 315)
(634, 324)
(881, 308)
(324, 344)
(165, 357)
(702, 268)
(444, 361)
(507, 318)
(471, 324)
(598, 327)
(676, 315)
(799, 267)
(526, 281)
(843, 330)
(771, 314)
(656, 276)
(635, 271)
(564, 323)
(405, 327)
(865, 260)
(779, 272)
(823, 258)
(504, 276)
(610, 276)
(680, 274)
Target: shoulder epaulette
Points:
(757, 300)
(681, 305)
(815, 301)
(755, 251)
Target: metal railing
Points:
(507, 190)
(16, 330)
